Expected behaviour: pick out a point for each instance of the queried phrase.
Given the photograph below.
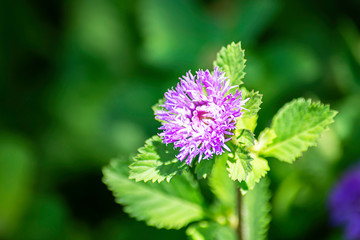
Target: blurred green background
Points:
(78, 79)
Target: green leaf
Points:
(204, 167)
(156, 162)
(245, 138)
(162, 205)
(156, 107)
(253, 104)
(221, 185)
(298, 125)
(248, 120)
(266, 137)
(210, 231)
(239, 164)
(246, 123)
(246, 166)
(256, 211)
(260, 167)
(231, 60)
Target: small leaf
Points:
(210, 231)
(231, 60)
(162, 205)
(246, 138)
(204, 167)
(298, 125)
(256, 211)
(260, 167)
(158, 106)
(253, 104)
(245, 166)
(248, 119)
(156, 162)
(239, 164)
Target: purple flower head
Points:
(344, 203)
(200, 114)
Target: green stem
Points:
(239, 226)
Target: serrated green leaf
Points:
(204, 167)
(246, 123)
(231, 60)
(245, 166)
(156, 162)
(210, 231)
(256, 212)
(260, 167)
(162, 205)
(245, 138)
(253, 104)
(298, 125)
(248, 120)
(239, 164)
(221, 185)
(266, 137)
(157, 106)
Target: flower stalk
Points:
(239, 231)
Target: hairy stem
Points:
(239, 226)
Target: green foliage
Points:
(204, 167)
(298, 125)
(156, 107)
(245, 137)
(210, 231)
(256, 212)
(162, 205)
(259, 167)
(156, 162)
(249, 123)
(232, 60)
(247, 167)
(253, 103)
(221, 185)
(239, 164)
(249, 117)
(266, 137)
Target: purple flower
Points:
(344, 203)
(200, 114)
